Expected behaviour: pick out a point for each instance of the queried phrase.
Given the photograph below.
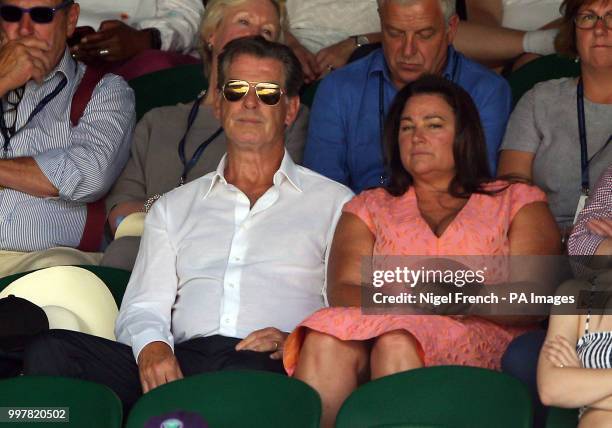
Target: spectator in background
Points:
(156, 166)
(527, 16)
(345, 131)
(138, 36)
(543, 140)
(230, 262)
(50, 169)
(325, 33)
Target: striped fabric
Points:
(595, 349)
(81, 162)
(599, 205)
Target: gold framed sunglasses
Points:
(268, 93)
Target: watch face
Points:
(362, 40)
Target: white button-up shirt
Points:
(210, 264)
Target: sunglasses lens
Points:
(10, 13)
(234, 91)
(41, 15)
(268, 93)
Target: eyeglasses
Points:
(38, 14)
(587, 21)
(267, 92)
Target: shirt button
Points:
(231, 285)
(236, 259)
(227, 320)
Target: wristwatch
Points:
(360, 40)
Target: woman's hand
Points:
(560, 352)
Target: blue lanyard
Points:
(584, 157)
(41, 105)
(187, 166)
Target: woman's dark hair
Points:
(469, 148)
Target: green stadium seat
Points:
(234, 399)
(444, 396)
(561, 418)
(545, 68)
(168, 87)
(90, 405)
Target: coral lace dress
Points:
(480, 228)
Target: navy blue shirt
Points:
(344, 132)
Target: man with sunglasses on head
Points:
(49, 167)
(228, 263)
(348, 114)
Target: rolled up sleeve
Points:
(86, 169)
(178, 22)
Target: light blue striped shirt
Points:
(82, 162)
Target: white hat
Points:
(132, 225)
(72, 297)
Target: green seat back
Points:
(447, 396)
(90, 405)
(561, 418)
(544, 68)
(171, 86)
(115, 279)
(234, 399)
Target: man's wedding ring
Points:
(103, 52)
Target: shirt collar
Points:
(288, 171)
(379, 63)
(67, 66)
(452, 62)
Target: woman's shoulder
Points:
(513, 191)
(377, 196)
(554, 89)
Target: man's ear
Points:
(451, 31)
(293, 107)
(72, 17)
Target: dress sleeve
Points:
(522, 194)
(360, 206)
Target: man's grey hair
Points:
(447, 6)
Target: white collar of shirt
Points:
(286, 173)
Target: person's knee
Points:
(321, 348)
(398, 342)
(45, 354)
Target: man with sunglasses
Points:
(348, 114)
(50, 168)
(230, 262)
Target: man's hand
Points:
(157, 365)
(22, 60)
(114, 41)
(601, 227)
(334, 56)
(265, 340)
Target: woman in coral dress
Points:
(440, 201)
